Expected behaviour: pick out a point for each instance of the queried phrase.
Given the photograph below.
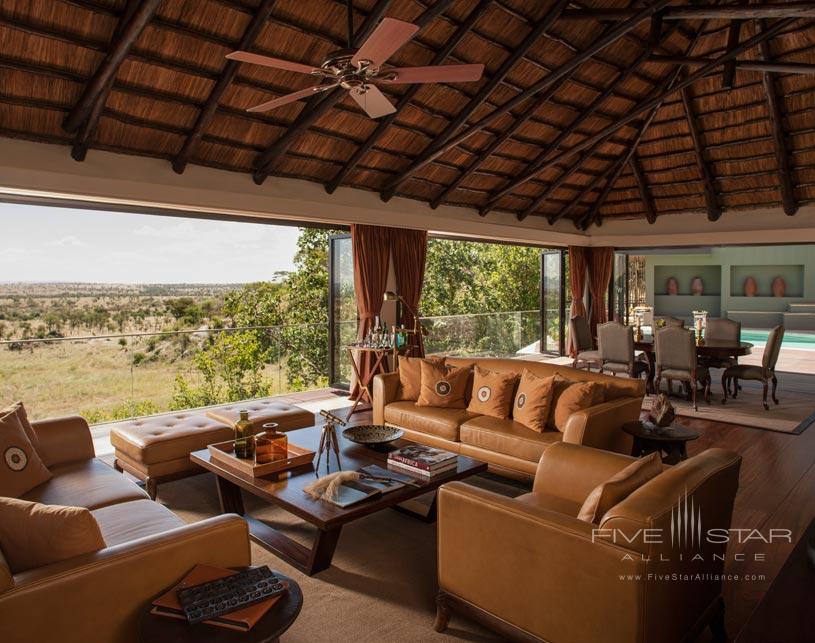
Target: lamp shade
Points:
(390, 296)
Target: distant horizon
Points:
(55, 245)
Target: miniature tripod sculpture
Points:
(329, 440)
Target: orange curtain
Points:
(370, 246)
(578, 263)
(599, 268)
(409, 250)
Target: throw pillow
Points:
(572, 398)
(492, 393)
(33, 535)
(443, 387)
(617, 488)
(410, 375)
(533, 401)
(19, 409)
(20, 467)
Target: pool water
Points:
(797, 339)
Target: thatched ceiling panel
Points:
(50, 50)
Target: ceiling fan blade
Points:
(437, 74)
(373, 101)
(268, 61)
(385, 40)
(289, 98)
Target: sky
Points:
(60, 244)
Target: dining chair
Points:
(676, 360)
(617, 350)
(722, 329)
(764, 373)
(580, 332)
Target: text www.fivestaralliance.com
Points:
(693, 577)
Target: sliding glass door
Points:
(553, 302)
(342, 309)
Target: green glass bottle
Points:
(244, 444)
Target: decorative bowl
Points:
(372, 434)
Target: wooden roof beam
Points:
(82, 141)
(649, 103)
(714, 210)
(462, 30)
(779, 139)
(484, 91)
(725, 12)
(747, 65)
(642, 186)
(320, 104)
(228, 74)
(110, 65)
(436, 149)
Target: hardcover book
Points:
(423, 457)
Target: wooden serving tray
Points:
(224, 453)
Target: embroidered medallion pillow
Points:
(443, 387)
(20, 467)
(492, 393)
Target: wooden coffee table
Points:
(286, 491)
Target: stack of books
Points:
(423, 460)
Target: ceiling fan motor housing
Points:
(349, 75)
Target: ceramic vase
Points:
(779, 287)
(672, 286)
(697, 286)
(750, 287)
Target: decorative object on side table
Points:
(266, 628)
(662, 411)
(670, 440)
(372, 434)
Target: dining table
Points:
(711, 348)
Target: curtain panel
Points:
(578, 264)
(600, 268)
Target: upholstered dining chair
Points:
(676, 360)
(617, 350)
(580, 332)
(669, 322)
(722, 329)
(764, 373)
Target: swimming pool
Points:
(792, 339)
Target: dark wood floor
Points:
(776, 490)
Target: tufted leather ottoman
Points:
(157, 448)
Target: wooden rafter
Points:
(747, 65)
(733, 35)
(779, 138)
(435, 150)
(642, 186)
(538, 164)
(228, 74)
(714, 210)
(713, 12)
(462, 30)
(486, 89)
(83, 138)
(110, 65)
(320, 104)
(649, 103)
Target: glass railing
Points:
(117, 376)
(504, 334)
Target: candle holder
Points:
(699, 325)
(638, 315)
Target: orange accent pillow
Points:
(533, 401)
(22, 416)
(570, 397)
(492, 393)
(618, 487)
(410, 376)
(20, 466)
(443, 387)
(33, 535)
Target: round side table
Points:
(161, 629)
(672, 440)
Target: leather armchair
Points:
(530, 569)
(101, 595)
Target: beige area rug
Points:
(381, 586)
(795, 413)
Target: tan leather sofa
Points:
(507, 446)
(100, 596)
(528, 568)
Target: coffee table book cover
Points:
(423, 457)
(242, 620)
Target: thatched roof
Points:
(706, 147)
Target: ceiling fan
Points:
(357, 70)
